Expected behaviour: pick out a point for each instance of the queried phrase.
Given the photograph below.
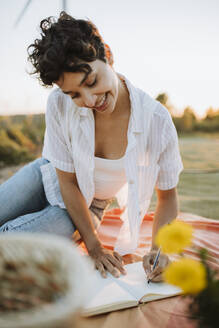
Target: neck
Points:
(123, 105)
(123, 102)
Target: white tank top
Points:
(109, 177)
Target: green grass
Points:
(200, 151)
(199, 191)
(199, 194)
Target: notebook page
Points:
(135, 282)
(105, 292)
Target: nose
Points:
(89, 100)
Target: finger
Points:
(155, 272)
(116, 263)
(152, 255)
(147, 262)
(161, 264)
(118, 257)
(110, 267)
(158, 278)
(163, 261)
(101, 269)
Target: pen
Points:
(155, 261)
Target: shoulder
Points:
(162, 128)
(160, 114)
(146, 103)
(56, 97)
(60, 104)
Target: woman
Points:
(104, 139)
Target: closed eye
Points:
(92, 84)
(75, 96)
(89, 85)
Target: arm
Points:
(80, 215)
(166, 211)
(77, 208)
(170, 166)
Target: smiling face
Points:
(99, 91)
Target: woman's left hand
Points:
(148, 260)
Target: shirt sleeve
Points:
(170, 161)
(55, 147)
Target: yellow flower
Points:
(188, 274)
(174, 237)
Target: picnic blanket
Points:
(166, 313)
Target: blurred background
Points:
(168, 48)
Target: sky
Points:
(167, 46)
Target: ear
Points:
(109, 54)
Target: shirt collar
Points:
(136, 121)
(83, 111)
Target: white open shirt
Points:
(152, 156)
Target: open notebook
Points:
(128, 290)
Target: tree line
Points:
(21, 136)
(188, 121)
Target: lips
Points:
(103, 103)
(103, 98)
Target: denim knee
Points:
(39, 161)
(51, 219)
(23, 192)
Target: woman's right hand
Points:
(107, 260)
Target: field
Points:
(198, 187)
(199, 182)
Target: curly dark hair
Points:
(66, 45)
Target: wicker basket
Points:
(73, 272)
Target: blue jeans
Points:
(24, 206)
